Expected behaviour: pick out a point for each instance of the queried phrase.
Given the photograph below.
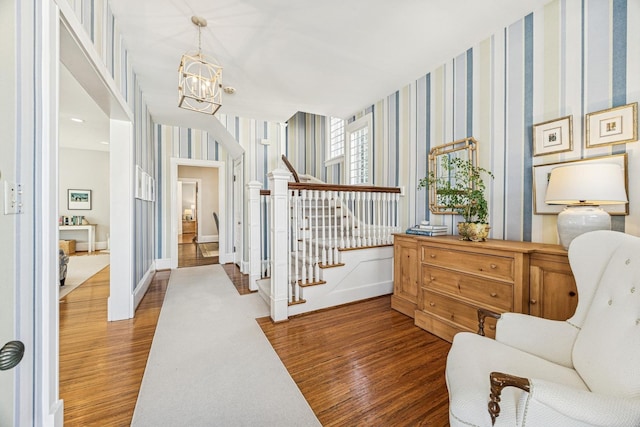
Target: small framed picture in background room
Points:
(553, 136)
(79, 199)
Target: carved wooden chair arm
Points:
(498, 382)
(483, 313)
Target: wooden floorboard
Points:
(189, 255)
(364, 364)
(101, 362)
(239, 280)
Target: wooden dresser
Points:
(189, 227)
(444, 281)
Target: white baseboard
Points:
(84, 246)
(143, 285)
(208, 238)
(244, 267)
(163, 264)
(225, 258)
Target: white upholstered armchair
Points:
(581, 372)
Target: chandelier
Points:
(199, 81)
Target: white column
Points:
(278, 184)
(255, 225)
(122, 167)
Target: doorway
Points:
(197, 212)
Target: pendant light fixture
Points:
(199, 80)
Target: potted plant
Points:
(460, 188)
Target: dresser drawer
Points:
(475, 263)
(455, 312)
(498, 295)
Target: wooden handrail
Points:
(334, 187)
(291, 168)
(265, 192)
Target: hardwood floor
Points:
(189, 255)
(102, 363)
(239, 280)
(360, 364)
(364, 364)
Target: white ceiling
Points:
(329, 57)
(76, 103)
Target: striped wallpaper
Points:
(259, 159)
(569, 58)
(96, 18)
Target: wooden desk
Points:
(90, 229)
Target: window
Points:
(336, 138)
(358, 165)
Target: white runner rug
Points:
(211, 365)
(81, 268)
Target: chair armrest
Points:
(551, 340)
(499, 381)
(566, 405)
(483, 313)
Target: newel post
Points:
(279, 229)
(255, 224)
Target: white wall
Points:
(208, 194)
(86, 170)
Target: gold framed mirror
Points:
(464, 149)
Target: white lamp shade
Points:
(583, 187)
(590, 184)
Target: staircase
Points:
(327, 245)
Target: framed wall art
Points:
(79, 199)
(553, 136)
(541, 175)
(612, 126)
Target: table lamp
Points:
(188, 214)
(583, 188)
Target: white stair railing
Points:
(309, 224)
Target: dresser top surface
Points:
(496, 244)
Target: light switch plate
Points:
(12, 198)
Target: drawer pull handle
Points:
(572, 294)
(533, 301)
(493, 266)
(432, 304)
(432, 255)
(493, 294)
(493, 328)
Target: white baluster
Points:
(357, 213)
(309, 237)
(341, 198)
(367, 218)
(324, 229)
(329, 228)
(385, 219)
(335, 228)
(316, 257)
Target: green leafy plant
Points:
(460, 188)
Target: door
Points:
(238, 212)
(21, 113)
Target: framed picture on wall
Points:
(139, 182)
(613, 126)
(79, 199)
(541, 175)
(553, 136)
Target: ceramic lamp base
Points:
(576, 220)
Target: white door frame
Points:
(238, 212)
(198, 183)
(173, 220)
